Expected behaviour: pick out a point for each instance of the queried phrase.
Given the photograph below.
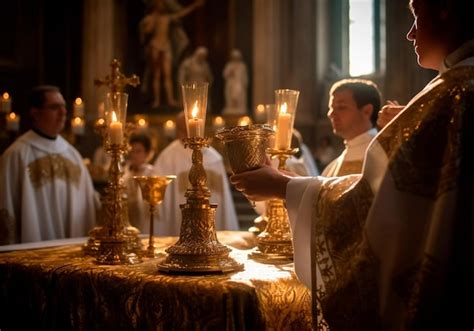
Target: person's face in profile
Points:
(347, 120)
(426, 33)
(51, 117)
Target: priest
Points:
(353, 108)
(45, 190)
(391, 249)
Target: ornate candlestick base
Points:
(274, 244)
(198, 250)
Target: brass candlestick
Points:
(274, 244)
(153, 191)
(115, 242)
(198, 249)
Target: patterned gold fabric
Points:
(51, 167)
(350, 168)
(60, 289)
(423, 144)
(343, 256)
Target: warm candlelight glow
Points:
(6, 104)
(195, 110)
(141, 122)
(260, 108)
(115, 131)
(283, 129)
(77, 120)
(219, 120)
(100, 121)
(169, 129)
(78, 101)
(244, 120)
(13, 122)
(284, 108)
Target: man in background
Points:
(353, 109)
(45, 190)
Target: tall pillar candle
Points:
(115, 131)
(283, 133)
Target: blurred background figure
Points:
(137, 165)
(46, 191)
(176, 160)
(195, 68)
(236, 84)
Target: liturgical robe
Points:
(45, 191)
(176, 160)
(351, 159)
(390, 249)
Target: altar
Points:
(59, 288)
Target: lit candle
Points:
(78, 110)
(77, 126)
(195, 124)
(283, 132)
(142, 124)
(260, 114)
(218, 123)
(244, 120)
(115, 131)
(6, 103)
(169, 129)
(13, 122)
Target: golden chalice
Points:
(153, 191)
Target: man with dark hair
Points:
(353, 109)
(45, 190)
(391, 249)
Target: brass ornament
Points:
(153, 191)
(198, 250)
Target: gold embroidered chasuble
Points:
(388, 246)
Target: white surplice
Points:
(351, 159)
(176, 160)
(45, 191)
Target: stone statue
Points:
(164, 41)
(195, 68)
(236, 84)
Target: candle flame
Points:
(219, 120)
(77, 120)
(195, 110)
(6, 96)
(78, 101)
(100, 121)
(260, 108)
(283, 108)
(114, 117)
(245, 120)
(169, 124)
(12, 115)
(142, 122)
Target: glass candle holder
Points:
(285, 102)
(195, 105)
(115, 116)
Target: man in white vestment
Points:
(45, 190)
(353, 109)
(391, 249)
(176, 160)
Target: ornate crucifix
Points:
(117, 81)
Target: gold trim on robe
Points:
(51, 167)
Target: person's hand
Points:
(261, 184)
(388, 112)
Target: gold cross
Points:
(117, 81)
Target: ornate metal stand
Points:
(116, 241)
(198, 250)
(153, 191)
(274, 244)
